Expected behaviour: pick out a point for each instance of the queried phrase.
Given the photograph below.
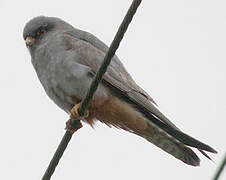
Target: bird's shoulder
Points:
(85, 43)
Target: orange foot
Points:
(73, 124)
(75, 114)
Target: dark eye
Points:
(41, 31)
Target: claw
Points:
(74, 112)
(73, 124)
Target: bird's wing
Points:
(92, 52)
(116, 63)
(116, 74)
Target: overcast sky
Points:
(174, 49)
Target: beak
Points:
(29, 41)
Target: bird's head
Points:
(38, 28)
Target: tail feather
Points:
(169, 144)
(182, 137)
(190, 141)
(204, 154)
(141, 122)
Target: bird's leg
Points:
(73, 124)
(75, 113)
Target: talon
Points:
(74, 112)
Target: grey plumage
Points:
(66, 59)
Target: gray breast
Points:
(45, 68)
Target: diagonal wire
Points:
(114, 46)
(110, 53)
(220, 169)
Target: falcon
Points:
(66, 60)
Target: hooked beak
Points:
(29, 41)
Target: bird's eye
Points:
(41, 31)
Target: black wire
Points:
(111, 52)
(220, 169)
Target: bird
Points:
(66, 60)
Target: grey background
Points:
(174, 49)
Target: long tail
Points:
(169, 144)
(141, 122)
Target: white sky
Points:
(174, 49)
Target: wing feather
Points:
(120, 80)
